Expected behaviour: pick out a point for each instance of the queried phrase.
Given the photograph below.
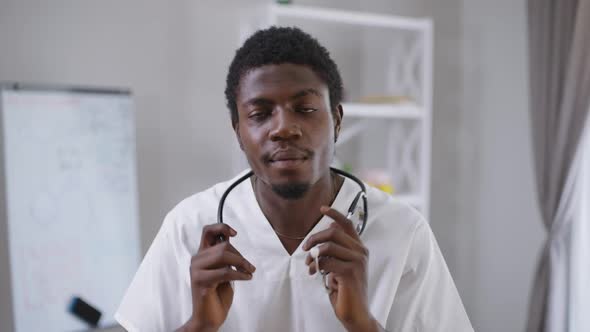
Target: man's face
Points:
(286, 127)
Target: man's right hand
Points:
(216, 264)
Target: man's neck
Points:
(294, 218)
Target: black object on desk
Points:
(84, 311)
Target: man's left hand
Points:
(344, 258)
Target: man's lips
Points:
(287, 159)
(288, 155)
(287, 163)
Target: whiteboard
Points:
(71, 202)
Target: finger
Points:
(209, 278)
(227, 246)
(313, 267)
(341, 219)
(332, 282)
(334, 266)
(211, 234)
(221, 255)
(334, 250)
(333, 234)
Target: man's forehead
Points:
(280, 74)
(290, 79)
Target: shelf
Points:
(387, 123)
(394, 111)
(350, 17)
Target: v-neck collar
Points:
(267, 234)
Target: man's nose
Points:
(285, 126)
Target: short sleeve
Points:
(157, 298)
(426, 298)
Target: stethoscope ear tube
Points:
(365, 215)
(224, 196)
(362, 195)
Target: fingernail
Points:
(324, 209)
(252, 267)
(233, 232)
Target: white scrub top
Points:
(409, 285)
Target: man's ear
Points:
(338, 114)
(236, 127)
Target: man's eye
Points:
(258, 115)
(306, 110)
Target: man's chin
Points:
(291, 191)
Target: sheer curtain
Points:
(580, 270)
(559, 52)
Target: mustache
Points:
(307, 153)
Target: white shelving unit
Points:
(382, 55)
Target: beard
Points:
(290, 191)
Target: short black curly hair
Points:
(277, 45)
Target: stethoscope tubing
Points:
(361, 195)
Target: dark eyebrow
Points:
(260, 101)
(306, 92)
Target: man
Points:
(258, 271)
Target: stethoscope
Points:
(360, 227)
(360, 195)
